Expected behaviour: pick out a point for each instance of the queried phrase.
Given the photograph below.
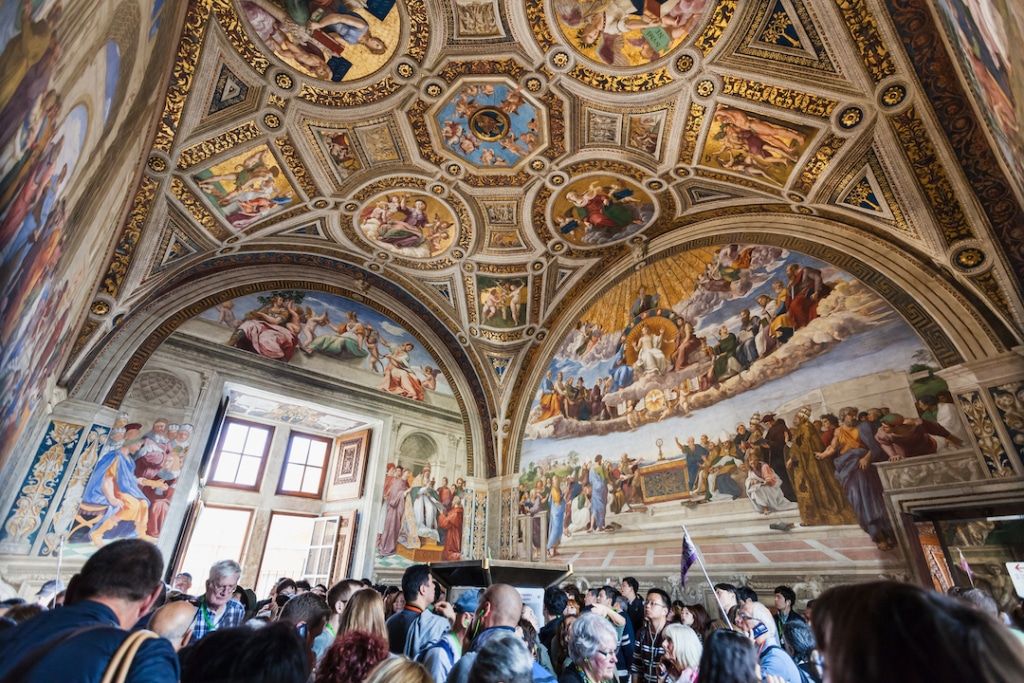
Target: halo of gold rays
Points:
(673, 279)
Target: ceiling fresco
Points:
(500, 164)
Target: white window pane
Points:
(219, 534)
(311, 480)
(234, 439)
(317, 452)
(248, 471)
(292, 478)
(300, 451)
(286, 550)
(227, 465)
(256, 441)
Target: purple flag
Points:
(687, 557)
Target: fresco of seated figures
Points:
(723, 374)
(333, 40)
(411, 224)
(627, 33)
(326, 334)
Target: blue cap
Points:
(469, 601)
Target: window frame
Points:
(266, 538)
(215, 461)
(329, 447)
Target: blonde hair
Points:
(399, 670)
(364, 611)
(686, 647)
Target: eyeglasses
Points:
(656, 604)
(230, 588)
(607, 653)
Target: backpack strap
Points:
(34, 657)
(121, 662)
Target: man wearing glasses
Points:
(649, 642)
(216, 607)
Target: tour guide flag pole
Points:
(688, 555)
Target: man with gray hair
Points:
(217, 609)
(503, 660)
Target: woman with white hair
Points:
(592, 649)
(682, 654)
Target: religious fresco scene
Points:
(336, 41)
(327, 334)
(544, 279)
(247, 188)
(703, 384)
(410, 224)
(490, 124)
(626, 33)
(596, 210)
(756, 146)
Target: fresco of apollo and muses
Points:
(291, 325)
(42, 137)
(626, 33)
(333, 40)
(722, 374)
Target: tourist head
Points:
(503, 660)
(696, 616)
(125, 574)
(500, 605)
(465, 607)
(399, 670)
(799, 639)
(629, 586)
(980, 600)
(785, 599)
(682, 647)
(418, 585)
(182, 582)
(607, 596)
(307, 613)
(886, 630)
(756, 620)
(746, 594)
(726, 594)
(221, 583)
(212, 657)
(364, 612)
(351, 657)
(728, 657)
(273, 654)
(555, 600)
(340, 593)
(592, 646)
(174, 622)
(657, 606)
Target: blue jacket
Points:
(83, 658)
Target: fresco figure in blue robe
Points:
(556, 515)
(114, 488)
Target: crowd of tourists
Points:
(118, 621)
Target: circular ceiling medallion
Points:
(617, 34)
(489, 124)
(969, 258)
(893, 95)
(283, 80)
(415, 225)
(272, 120)
(99, 307)
(684, 63)
(347, 43)
(601, 209)
(850, 117)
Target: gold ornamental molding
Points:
(779, 96)
(863, 29)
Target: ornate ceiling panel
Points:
(493, 160)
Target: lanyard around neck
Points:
(207, 616)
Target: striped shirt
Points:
(647, 655)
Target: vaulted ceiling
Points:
(843, 127)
